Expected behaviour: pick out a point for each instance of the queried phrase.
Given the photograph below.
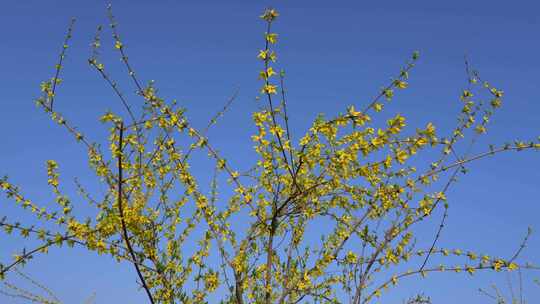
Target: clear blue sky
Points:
(334, 55)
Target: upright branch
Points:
(55, 80)
(121, 210)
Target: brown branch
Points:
(269, 255)
(122, 220)
(60, 60)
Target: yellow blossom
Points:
(400, 84)
(270, 15)
(269, 89)
(271, 38)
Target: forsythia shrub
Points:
(348, 172)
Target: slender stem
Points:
(122, 220)
(60, 60)
(269, 255)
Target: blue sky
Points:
(334, 55)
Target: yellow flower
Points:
(466, 94)
(201, 202)
(441, 196)
(388, 93)
(388, 162)
(496, 102)
(271, 38)
(305, 140)
(211, 281)
(351, 257)
(430, 129)
(512, 266)
(472, 255)
(270, 71)
(269, 89)
(353, 112)
(5, 185)
(377, 141)
(480, 129)
(266, 74)
(276, 130)
(305, 283)
(401, 156)
(263, 54)
(270, 14)
(400, 84)
(272, 56)
(498, 264)
(496, 92)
